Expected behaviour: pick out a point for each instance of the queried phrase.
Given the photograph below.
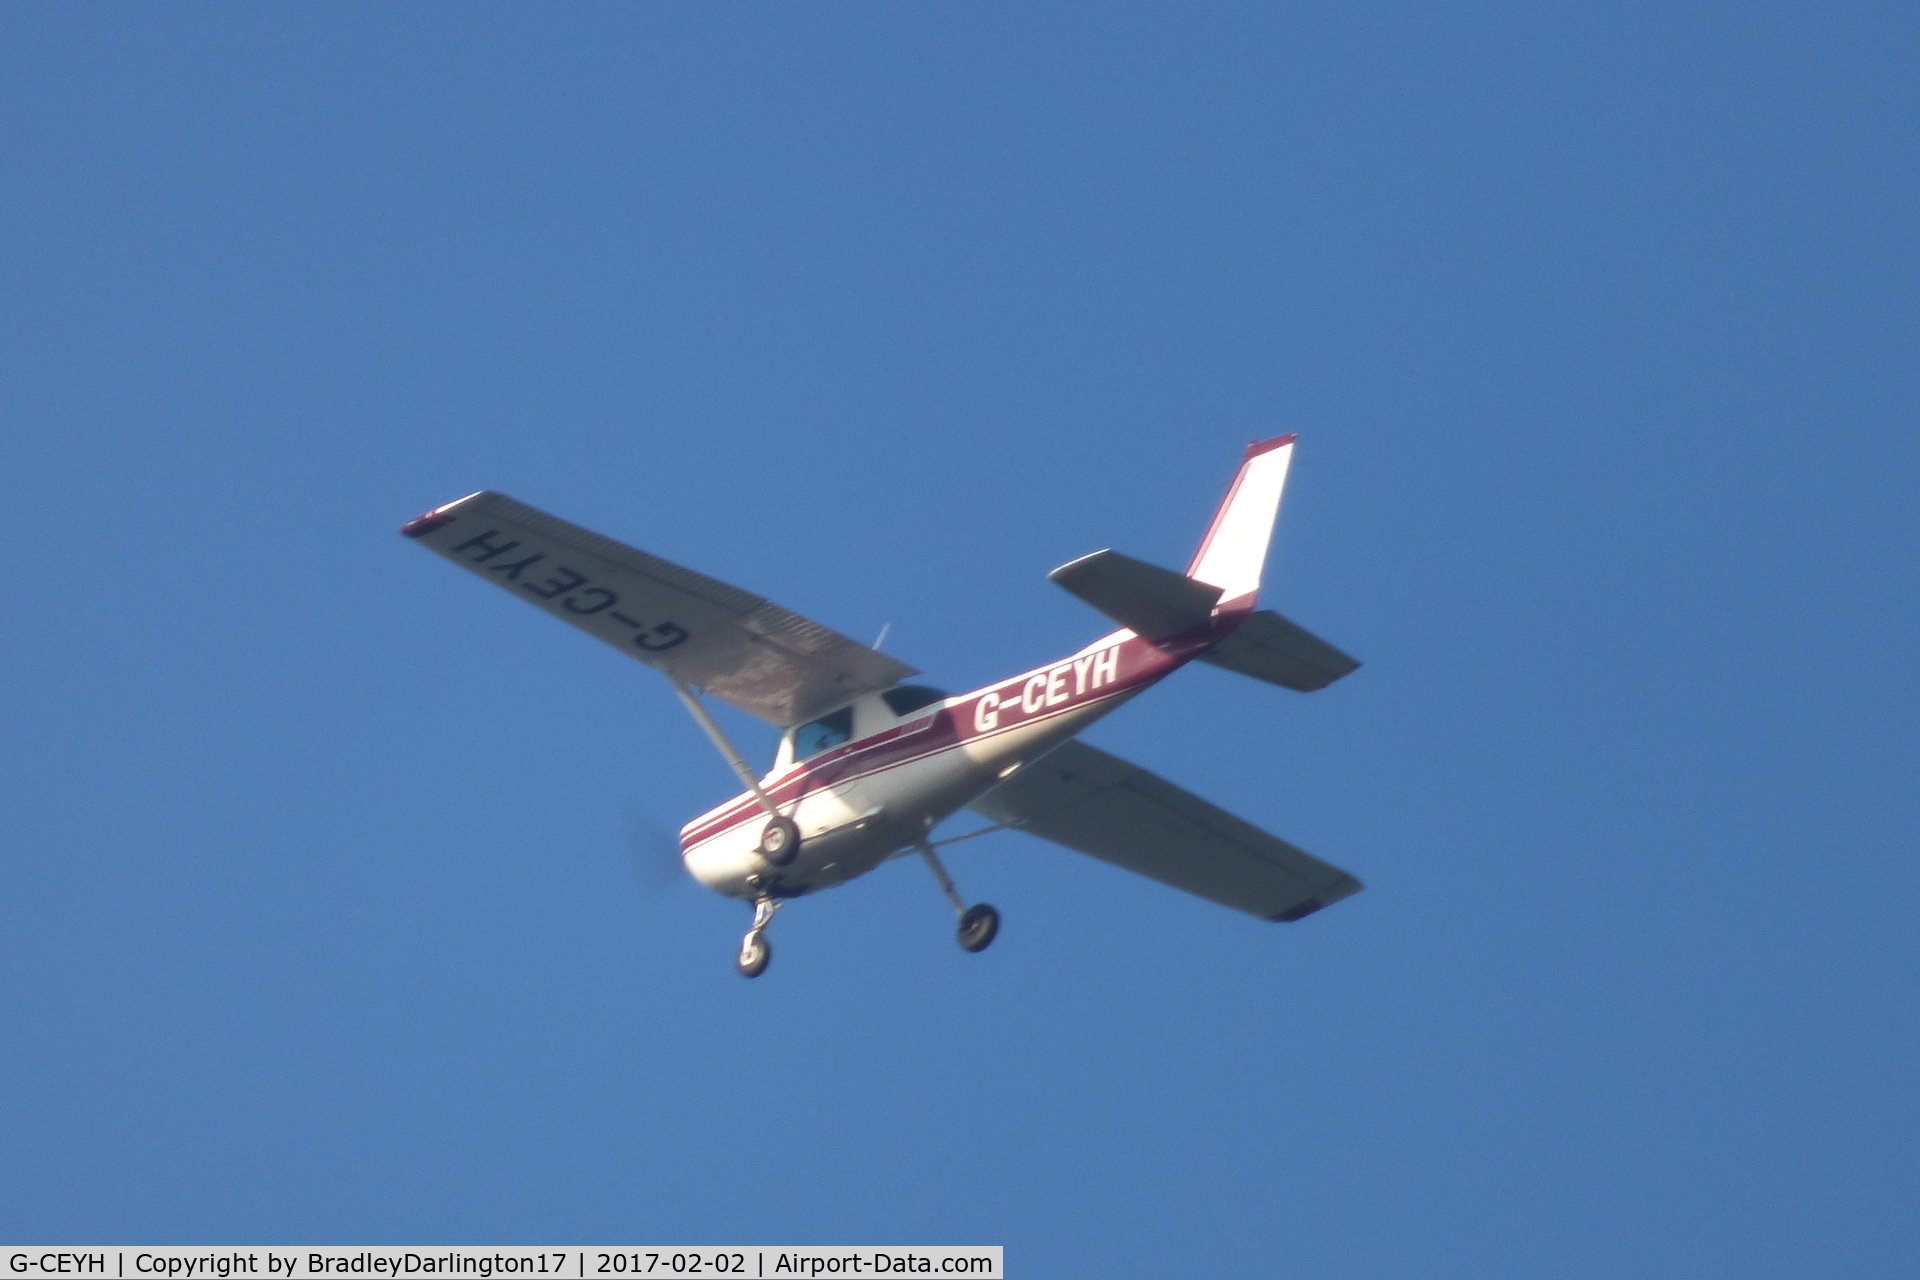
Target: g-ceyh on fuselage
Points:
(873, 777)
(869, 766)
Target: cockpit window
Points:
(909, 698)
(815, 736)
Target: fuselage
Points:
(896, 776)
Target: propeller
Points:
(653, 853)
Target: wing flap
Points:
(1268, 647)
(743, 649)
(1098, 804)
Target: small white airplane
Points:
(869, 766)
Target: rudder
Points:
(1234, 552)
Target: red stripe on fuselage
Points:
(985, 713)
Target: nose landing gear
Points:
(755, 951)
(980, 923)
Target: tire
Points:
(978, 927)
(755, 954)
(780, 842)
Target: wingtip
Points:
(1339, 893)
(422, 525)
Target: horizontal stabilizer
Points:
(1098, 804)
(1268, 647)
(1152, 602)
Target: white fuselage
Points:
(860, 801)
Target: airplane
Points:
(869, 765)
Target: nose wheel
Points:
(755, 954)
(755, 951)
(980, 923)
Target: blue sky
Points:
(1597, 324)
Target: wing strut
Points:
(983, 831)
(720, 740)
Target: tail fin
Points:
(1219, 588)
(1234, 551)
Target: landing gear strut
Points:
(978, 923)
(755, 951)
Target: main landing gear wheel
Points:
(979, 923)
(755, 953)
(978, 926)
(780, 842)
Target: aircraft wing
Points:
(1098, 804)
(746, 651)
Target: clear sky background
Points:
(323, 920)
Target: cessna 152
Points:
(869, 766)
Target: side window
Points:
(815, 736)
(909, 698)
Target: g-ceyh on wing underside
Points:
(743, 649)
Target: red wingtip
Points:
(421, 526)
(1258, 447)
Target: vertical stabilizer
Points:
(1234, 551)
